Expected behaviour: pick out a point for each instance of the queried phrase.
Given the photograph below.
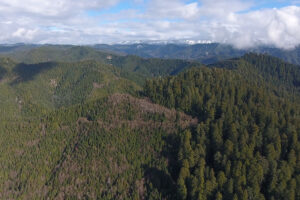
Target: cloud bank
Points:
(241, 23)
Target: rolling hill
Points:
(119, 145)
(246, 144)
(77, 123)
(144, 67)
(35, 87)
(262, 69)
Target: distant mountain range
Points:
(206, 53)
(201, 51)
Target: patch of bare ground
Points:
(43, 129)
(140, 184)
(32, 143)
(82, 120)
(141, 108)
(53, 83)
(98, 85)
(19, 152)
(9, 186)
(8, 79)
(4, 80)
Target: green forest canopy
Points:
(85, 129)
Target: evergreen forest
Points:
(79, 123)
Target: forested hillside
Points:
(262, 69)
(76, 123)
(66, 126)
(111, 148)
(27, 88)
(144, 67)
(246, 145)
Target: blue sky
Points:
(243, 23)
(123, 5)
(141, 6)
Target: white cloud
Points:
(172, 9)
(279, 27)
(54, 8)
(223, 8)
(229, 21)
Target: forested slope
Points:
(37, 88)
(246, 145)
(88, 130)
(111, 148)
(65, 135)
(144, 67)
(265, 68)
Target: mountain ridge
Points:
(133, 128)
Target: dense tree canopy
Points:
(88, 130)
(246, 145)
